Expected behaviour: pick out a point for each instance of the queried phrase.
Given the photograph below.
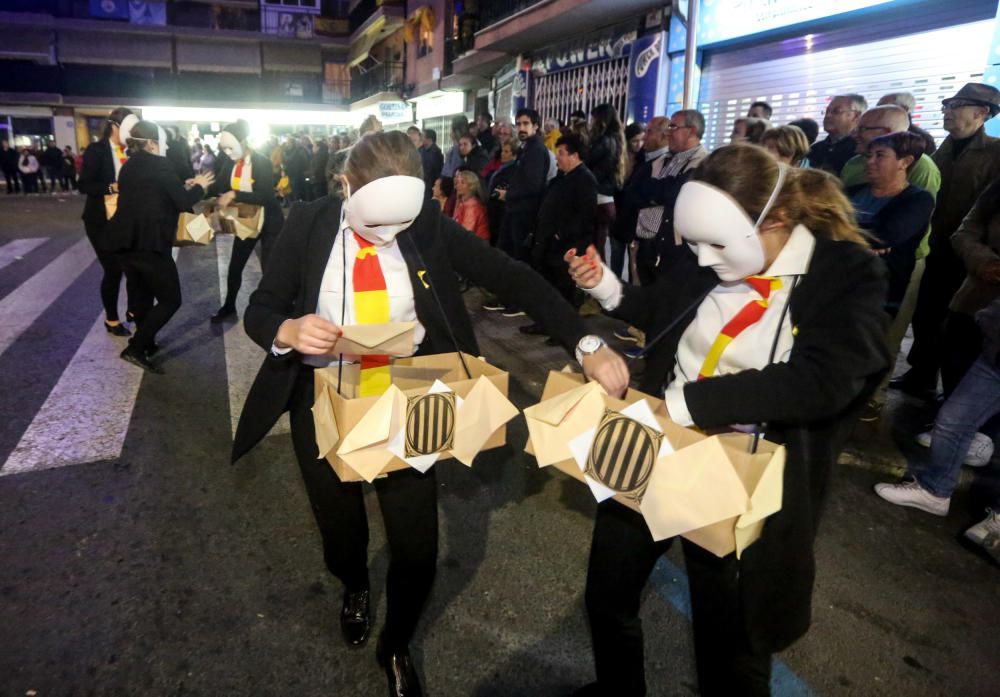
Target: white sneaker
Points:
(986, 533)
(909, 493)
(980, 449)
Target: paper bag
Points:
(389, 339)
(710, 489)
(243, 220)
(193, 229)
(110, 205)
(433, 410)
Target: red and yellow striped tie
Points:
(119, 153)
(750, 314)
(371, 306)
(237, 175)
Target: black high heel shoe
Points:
(117, 329)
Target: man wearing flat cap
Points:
(969, 160)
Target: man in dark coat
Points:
(839, 121)
(8, 163)
(527, 185)
(432, 159)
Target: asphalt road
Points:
(134, 560)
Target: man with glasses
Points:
(839, 121)
(907, 102)
(969, 160)
(876, 122)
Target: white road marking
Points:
(15, 249)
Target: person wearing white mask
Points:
(142, 232)
(246, 177)
(776, 322)
(381, 254)
(102, 162)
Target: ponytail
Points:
(819, 203)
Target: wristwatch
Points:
(587, 346)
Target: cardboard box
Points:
(710, 489)
(432, 411)
(193, 230)
(244, 220)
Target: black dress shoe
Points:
(399, 672)
(356, 618)
(138, 357)
(152, 349)
(117, 329)
(533, 329)
(225, 312)
(911, 386)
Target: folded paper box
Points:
(192, 229)
(432, 410)
(711, 490)
(244, 220)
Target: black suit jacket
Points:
(97, 174)
(566, 217)
(262, 194)
(435, 248)
(808, 403)
(150, 197)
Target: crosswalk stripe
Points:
(243, 356)
(86, 415)
(14, 249)
(23, 306)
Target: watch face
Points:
(590, 344)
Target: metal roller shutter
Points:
(798, 76)
(557, 95)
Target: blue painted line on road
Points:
(671, 584)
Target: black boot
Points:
(138, 357)
(356, 618)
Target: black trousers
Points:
(408, 500)
(242, 249)
(113, 272)
(943, 275)
(647, 255)
(154, 274)
(622, 556)
(12, 180)
(963, 344)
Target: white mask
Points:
(125, 128)
(705, 216)
(229, 144)
(161, 141)
(383, 208)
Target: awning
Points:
(218, 56)
(27, 43)
(304, 58)
(148, 51)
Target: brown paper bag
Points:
(710, 489)
(193, 230)
(357, 435)
(110, 205)
(243, 220)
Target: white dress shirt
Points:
(752, 347)
(246, 176)
(335, 286)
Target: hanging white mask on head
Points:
(161, 141)
(125, 127)
(230, 145)
(719, 231)
(383, 208)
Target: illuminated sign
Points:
(722, 20)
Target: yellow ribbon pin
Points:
(420, 274)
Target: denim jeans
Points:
(974, 401)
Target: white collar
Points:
(650, 156)
(795, 256)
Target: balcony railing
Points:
(496, 10)
(366, 8)
(384, 77)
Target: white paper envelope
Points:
(199, 229)
(390, 339)
(480, 414)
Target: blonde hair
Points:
(471, 180)
(789, 141)
(809, 197)
(379, 155)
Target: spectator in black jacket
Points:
(839, 121)
(607, 162)
(8, 163)
(566, 219)
(317, 180)
(523, 194)
(474, 157)
(645, 146)
(142, 231)
(179, 155)
(68, 170)
(484, 132)
(51, 161)
(432, 160)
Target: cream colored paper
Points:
(480, 414)
(364, 449)
(389, 339)
(327, 433)
(765, 501)
(199, 229)
(552, 424)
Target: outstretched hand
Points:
(586, 271)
